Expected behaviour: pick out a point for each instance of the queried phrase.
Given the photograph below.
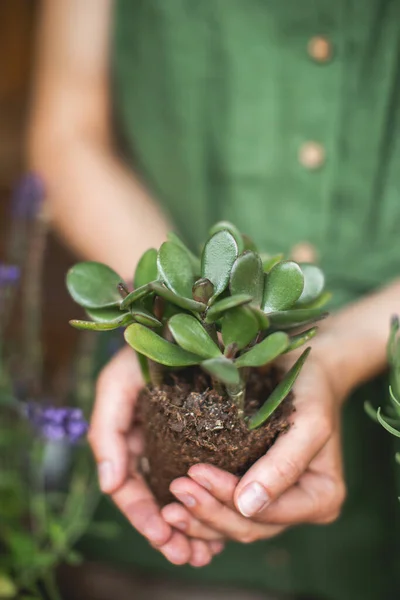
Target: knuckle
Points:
(324, 428)
(288, 470)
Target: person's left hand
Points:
(299, 480)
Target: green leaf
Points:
(93, 285)
(264, 352)
(92, 326)
(262, 319)
(392, 341)
(136, 295)
(226, 225)
(108, 315)
(314, 283)
(202, 290)
(371, 412)
(239, 326)
(218, 256)
(279, 394)
(384, 422)
(223, 370)
(394, 399)
(247, 276)
(283, 286)
(248, 243)
(144, 367)
(195, 260)
(218, 309)
(289, 319)
(146, 342)
(269, 261)
(143, 316)
(186, 303)
(319, 302)
(146, 269)
(175, 269)
(296, 341)
(190, 334)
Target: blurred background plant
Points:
(48, 485)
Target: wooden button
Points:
(320, 49)
(304, 252)
(312, 155)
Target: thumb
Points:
(117, 390)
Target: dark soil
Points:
(186, 422)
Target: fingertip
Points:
(177, 550)
(201, 554)
(157, 530)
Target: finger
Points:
(204, 507)
(136, 502)
(201, 553)
(179, 517)
(178, 549)
(219, 483)
(216, 547)
(284, 463)
(135, 441)
(117, 390)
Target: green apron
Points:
(218, 102)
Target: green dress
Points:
(284, 117)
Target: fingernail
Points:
(186, 499)
(252, 499)
(201, 481)
(106, 475)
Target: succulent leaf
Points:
(319, 302)
(262, 319)
(283, 286)
(145, 317)
(93, 285)
(266, 351)
(190, 334)
(223, 370)
(314, 283)
(136, 295)
(296, 341)
(146, 269)
(269, 261)
(218, 309)
(217, 259)
(108, 315)
(175, 269)
(226, 225)
(92, 326)
(202, 290)
(279, 394)
(239, 326)
(247, 276)
(248, 243)
(147, 342)
(195, 261)
(289, 319)
(186, 303)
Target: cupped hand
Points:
(116, 440)
(299, 480)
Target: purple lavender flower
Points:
(57, 423)
(9, 274)
(28, 194)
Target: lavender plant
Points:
(48, 487)
(228, 311)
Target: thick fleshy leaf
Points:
(93, 285)
(218, 309)
(175, 269)
(147, 342)
(269, 261)
(296, 341)
(202, 290)
(319, 302)
(186, 303)
(221, 225)
(223, 370)
(239, 326)
(289, 319)
(195, 260)
(262, 319)
(264, 352)
(143, 316)
(283, 286)
(92, 326)
(146, 269)
(314, 282)
(247, 276)
(190, 334)
(279, 394)
(136, 295)
(248, 243)
(108, 315)
(218, 256)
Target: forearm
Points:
(352, 343)
(97, 204)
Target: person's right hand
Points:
(116, 440)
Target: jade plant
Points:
(227, 311)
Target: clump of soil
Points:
(186, 422)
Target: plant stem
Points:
(156, 372)
(237, 395)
